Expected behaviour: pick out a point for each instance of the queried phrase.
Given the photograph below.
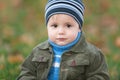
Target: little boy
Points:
(66, 55)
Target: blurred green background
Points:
(22, 27)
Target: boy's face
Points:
(62, 29)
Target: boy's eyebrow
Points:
(68, 23)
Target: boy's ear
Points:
(79, 30)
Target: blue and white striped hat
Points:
(74, 8)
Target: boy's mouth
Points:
(61, 39)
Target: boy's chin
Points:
(61, 44)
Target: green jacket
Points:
(82, 62)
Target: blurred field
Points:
(22, 27)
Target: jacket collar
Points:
(79, 47)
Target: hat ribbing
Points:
(74, 8)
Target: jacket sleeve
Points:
(97, 70)
(28, 69)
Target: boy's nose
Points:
(61, 30)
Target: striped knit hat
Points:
(74, 8)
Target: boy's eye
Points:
(68, 25)
(54, 25)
